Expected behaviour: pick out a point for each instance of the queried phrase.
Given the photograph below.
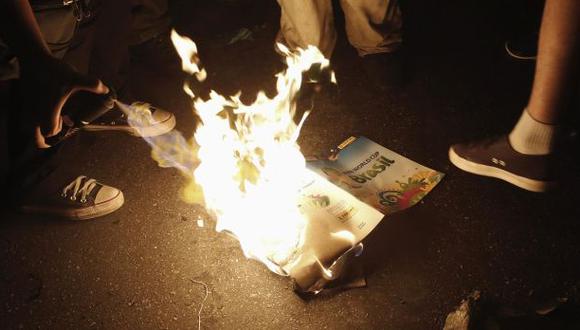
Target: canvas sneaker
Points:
(157, 53)
(496, 158)
(385, 71)
(83, 198)
(523, 48)
(159, 122)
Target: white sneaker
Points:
(158, 122)
(83, 198)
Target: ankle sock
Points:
(532, 137)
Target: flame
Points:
(244, 161)
(187, 51)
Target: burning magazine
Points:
(346, 199)
(302, 220)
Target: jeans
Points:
(99, 48)
(150, 19)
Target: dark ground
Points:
(132, 269)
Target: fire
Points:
(244, 161)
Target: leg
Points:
(524, 158)
(557, 65)
(104, 53)
(35, 186)
(523, 44)
(554, 80)
(30, 165)
(373, 26)
(110, 50)
(150, 45)
(100, 47)
(308, 22)
(150, 19)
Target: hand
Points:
(47, 84)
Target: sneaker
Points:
(159, 122)
(384, 71)
(157, 53)
(524, 48)
(496, 158)
(83, 198)
(317, 81)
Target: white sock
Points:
(532, 137)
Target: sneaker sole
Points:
(519, 57)
(92, 212)
(498, 173)
(149, 131)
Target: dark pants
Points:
(100, 49)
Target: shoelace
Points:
(141, 114)
(78, 186)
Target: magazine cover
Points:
(345, 198)
(377, 176)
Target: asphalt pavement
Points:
(142, 267)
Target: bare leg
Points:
(558, 60)
(525, 157)
(536, 132)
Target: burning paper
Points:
(346, 199)
(245, 166)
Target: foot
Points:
(384, 71)
(158, 122)
(317, 81)
(523, 48)
(157, 52)
(83, 198)
(496, 158)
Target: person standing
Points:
(525, 157)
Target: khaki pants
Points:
(372, 26)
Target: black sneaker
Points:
(317, 82)
(157, 53)
(155, 122)
(83, 198)
(384, 71)
(523, 48)
(496, 158)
